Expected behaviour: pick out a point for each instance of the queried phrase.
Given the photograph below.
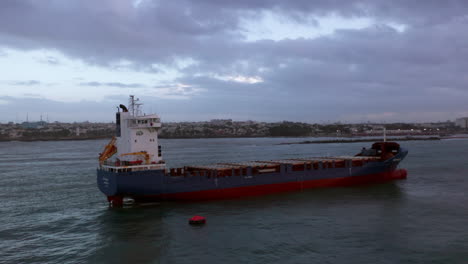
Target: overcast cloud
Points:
(312, 61)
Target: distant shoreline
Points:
(53, 139)
(361, 140)
(343, 139)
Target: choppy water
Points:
(52, 212)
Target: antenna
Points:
(131, 104)
(134, 105)
(138, 110)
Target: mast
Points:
(131, 104)
(134, 106)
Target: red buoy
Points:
(197, 220)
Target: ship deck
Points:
(254, 167)
(269, 166)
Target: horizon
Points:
(327, 122)
(355, 62)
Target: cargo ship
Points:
(131, 167)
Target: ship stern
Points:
(107, 182)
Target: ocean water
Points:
(52, 212)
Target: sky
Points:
(264, 60)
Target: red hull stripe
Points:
(255, 190)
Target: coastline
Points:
(342, 139)
(362, 140)
(33, 139)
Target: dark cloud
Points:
(113, 84)
(375, 70)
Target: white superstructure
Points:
(136, 140)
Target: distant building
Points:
(220, 121)
(39, 124)
(462, 122)
(436, 125)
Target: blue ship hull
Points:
(151, 185)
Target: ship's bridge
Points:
(147, 121)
